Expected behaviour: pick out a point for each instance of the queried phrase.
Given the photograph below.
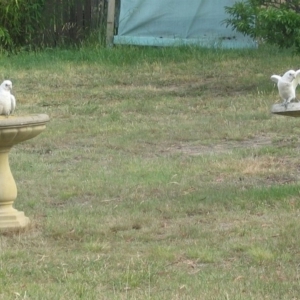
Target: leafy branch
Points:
(274, 22)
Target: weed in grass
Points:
(261, 256)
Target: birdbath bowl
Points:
(14, 130)
(292, 109)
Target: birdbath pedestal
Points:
(14, 130)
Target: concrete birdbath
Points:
(14, 130)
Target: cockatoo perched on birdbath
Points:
(287, 85)
(7, 100)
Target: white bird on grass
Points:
(287, 85)
(7, 100)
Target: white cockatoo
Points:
(287, 85)
(7, 100)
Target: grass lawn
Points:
(161, 175)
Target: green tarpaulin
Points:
(177, 22)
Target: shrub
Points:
(274, 22)
(19, 23)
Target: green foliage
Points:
(4, 37)
(20, 21)
(274, 22)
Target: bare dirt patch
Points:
(225, 147)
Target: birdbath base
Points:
(12, 218)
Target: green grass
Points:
(161, 175)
